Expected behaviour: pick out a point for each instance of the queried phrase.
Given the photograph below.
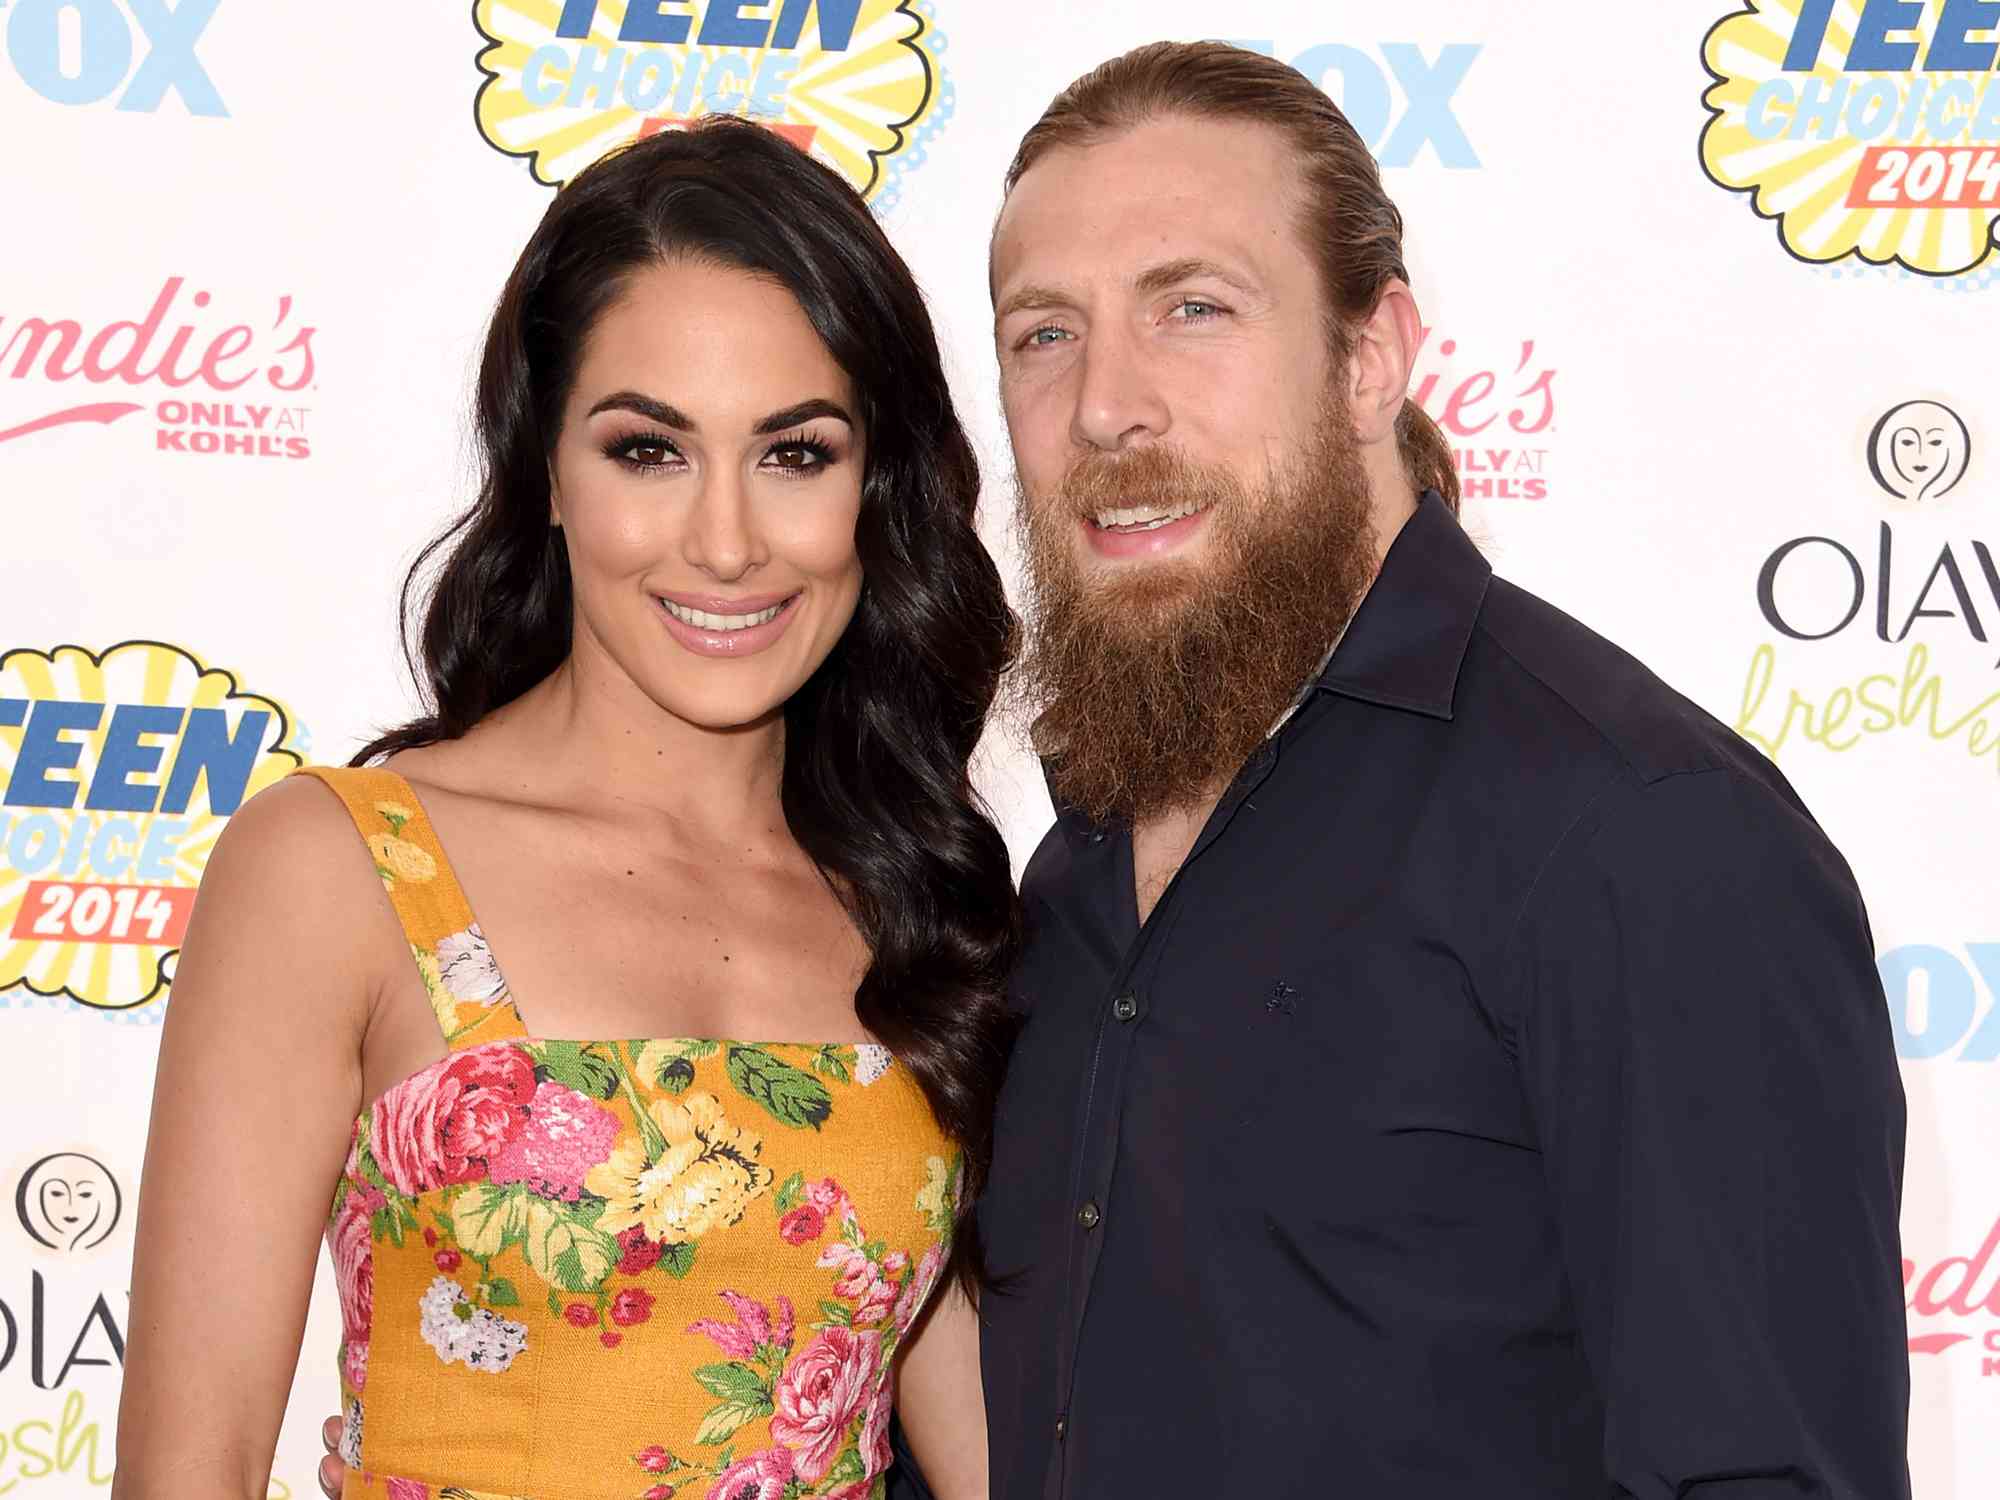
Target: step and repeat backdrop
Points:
(1711, 295)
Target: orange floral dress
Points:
(619, 1270)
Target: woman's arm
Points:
(940, 1400)
(259, 1083)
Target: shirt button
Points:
(1062, 1426)
(1089, 1216)
(1125, 1007)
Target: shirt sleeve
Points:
(1708, 1055)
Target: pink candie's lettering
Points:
(1956, 1287)
(1469, 405)
(172, 346)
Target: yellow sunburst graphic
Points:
(1886, 166)
(120, 769)
(852, 83)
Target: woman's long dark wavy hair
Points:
(875, 785)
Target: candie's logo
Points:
(1919, 450)
(69, 1202)
(1867, 129)
(1955, 1301)
(207, 384)
(1498, 411)
(117, 773)
(858, 83)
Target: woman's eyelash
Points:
(808, 443)
(623, 448)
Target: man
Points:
(1455, 1069)
(1453, 1064)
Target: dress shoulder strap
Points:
(467, 991)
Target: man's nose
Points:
(1119, 404)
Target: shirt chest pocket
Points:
(1357, 1077)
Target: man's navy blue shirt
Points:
(1500, 1102)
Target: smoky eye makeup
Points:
(642, 452)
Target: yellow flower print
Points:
(937, 1201)
(395, 814)
(443, 1005)
(704, 1179)
(399, 859)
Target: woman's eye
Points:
(645, 452)
(799, 457)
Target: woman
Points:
(708, 659)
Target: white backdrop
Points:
(1663, 353)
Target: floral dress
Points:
(619, 1270)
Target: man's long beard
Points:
(1149, 688)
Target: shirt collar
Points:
(1407, 641)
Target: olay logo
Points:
(176, 346)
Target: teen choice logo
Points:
(119, 771)
(858, 83)
(1868, 129)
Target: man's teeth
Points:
(1142, 517)
(701, 619)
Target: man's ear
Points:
(1378, 371)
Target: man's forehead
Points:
(1172, 190)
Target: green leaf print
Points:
(725, 1421)
(677, 1260)
(790, 1191)
(565, 1253)
(578, 1065)
(486, 1219)
(733, 1381)
(836, 1062)
(500, 1293)
(555, 1303)
(847, 1469)
(838, 1312)
(668, 1065)
(789, 1095)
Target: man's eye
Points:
(1194, 310)
(1046, 335)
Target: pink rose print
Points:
(566, 1135)
(610, 1340)
(407, 1489)
(580, 1315)
(631, 1306)
(446, 1124)
(917, 1290)
(354, 1277)
(802, 1225)
(354, 1364)
(446, 1260)
(761, 1476)
(659, 1492)
(861, 1282)
(430, 1239)
(753, 1327)
(637, 1254)
(875, 1430)
(654, 1460)
(830, 1199)
(820, 1394)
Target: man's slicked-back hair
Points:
(1352, 230)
